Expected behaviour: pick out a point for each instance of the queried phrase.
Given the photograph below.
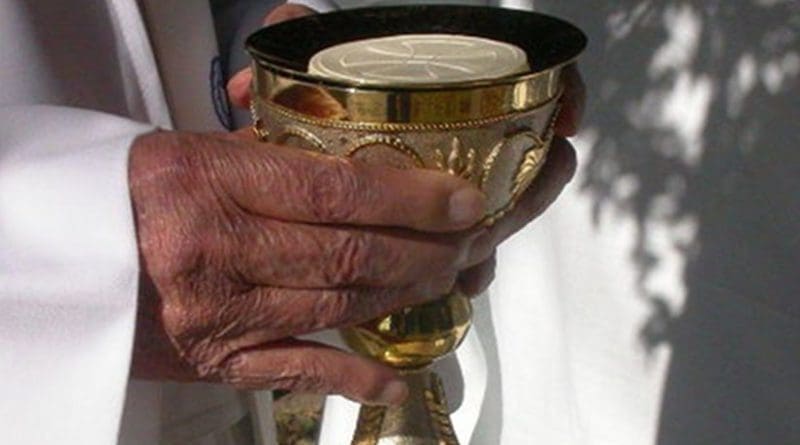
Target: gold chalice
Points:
(494, 132)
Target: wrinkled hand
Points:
(245, 245)
(556, 173)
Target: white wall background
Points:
(690, 185)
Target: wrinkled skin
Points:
(246, 245)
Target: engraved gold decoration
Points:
(304, 135)
(534, 157)
(388, 141)
(460, 162)
(488, 163)
(260, 133)
(530, 165)
(494, 133)
(423, 420)
(489, 152)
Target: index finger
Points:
(295, 185)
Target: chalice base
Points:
(422, 420)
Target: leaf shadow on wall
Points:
(694, 114)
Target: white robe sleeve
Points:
(68, 274)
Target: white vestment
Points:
(557, 354)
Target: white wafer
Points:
(409, 59)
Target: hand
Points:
(239, 84)
(245, 245)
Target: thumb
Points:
(297, 365)
(239, 84)
(287, 12)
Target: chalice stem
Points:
(422, 420)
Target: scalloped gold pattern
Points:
(534, 157)
(461, 162)
(393, 142)
(302, 133)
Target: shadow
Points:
(489, 427)
(81, 23)
(693, 122)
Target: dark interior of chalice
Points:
(549, 42)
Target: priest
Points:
(156, 270)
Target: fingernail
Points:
(467, 206)
(394, 394)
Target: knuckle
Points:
(307, 372)
(186, 251)
(334, 189)
(197, 328)
(235, 366)
(183, 324)
(352, 306)
(174, 317)
(236, 370)
(354, 257)
(337, 308)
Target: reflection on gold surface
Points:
(426, 104)
(309, 100)
(416, 336)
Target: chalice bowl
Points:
(470, 91)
